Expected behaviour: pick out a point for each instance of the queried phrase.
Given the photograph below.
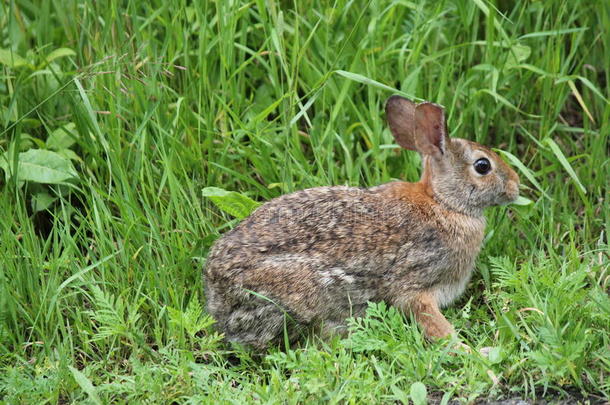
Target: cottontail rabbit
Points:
(315, 257)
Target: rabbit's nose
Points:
(512, 189)
(513, 176)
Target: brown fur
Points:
(313, 258)
(426, 312)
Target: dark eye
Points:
(482, 166)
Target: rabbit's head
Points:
(461, 174)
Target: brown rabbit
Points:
(315, 257)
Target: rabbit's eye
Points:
(482, 166)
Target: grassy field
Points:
(115, 115)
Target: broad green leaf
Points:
(519, 53)
(86, 385)
(564, 162)
(419, 394)
(231, 202)
(59, 53)
(522, 201)
(27, 141)
(41, 166)
(495, 355)
(41, 201)
(69, 154)
(62, 138)
(11, 59)
(29, 123)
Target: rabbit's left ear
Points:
(400, 113)
(431, 129)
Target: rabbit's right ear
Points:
(431, 128)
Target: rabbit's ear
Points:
(431, 129)
(400, 114)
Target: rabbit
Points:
(313, 258)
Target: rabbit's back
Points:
(331, 222)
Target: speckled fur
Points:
(313, 258)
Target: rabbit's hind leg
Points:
(257, 325)
(264, 304)
(244, 316)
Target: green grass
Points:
(100, 259)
